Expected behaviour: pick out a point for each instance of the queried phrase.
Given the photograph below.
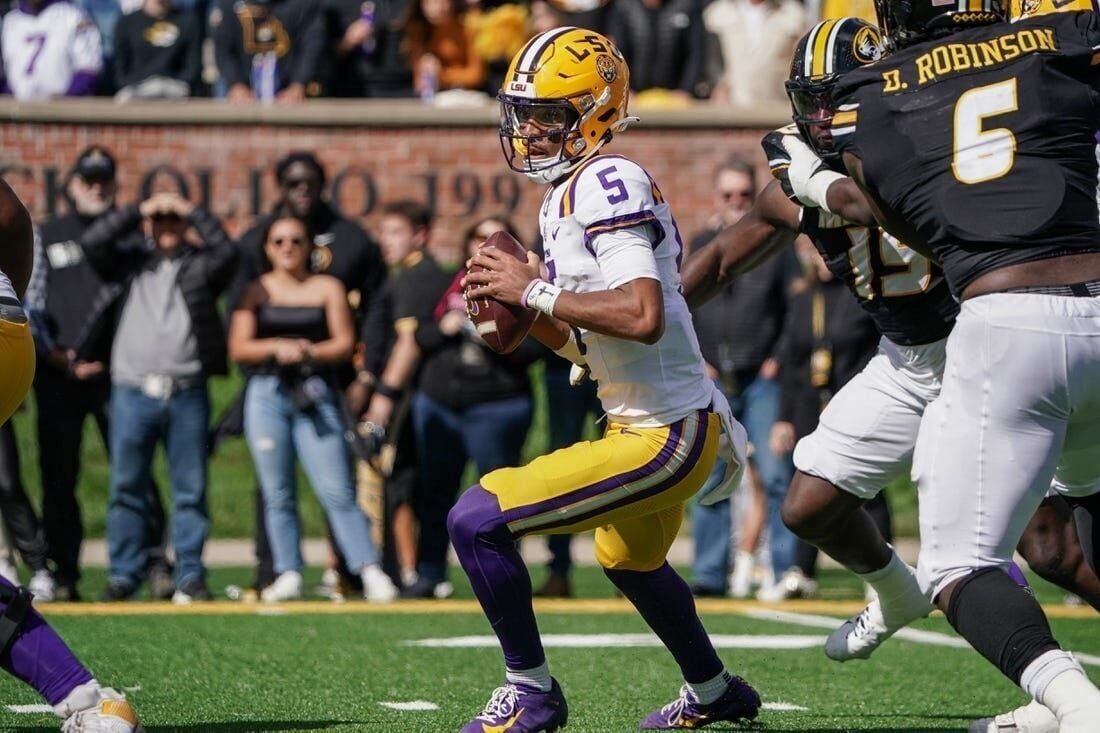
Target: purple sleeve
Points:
(82, 85)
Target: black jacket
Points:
(293, 30)
(118, 250)
(76, 310)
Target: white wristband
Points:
(817, 189)
(541, 296)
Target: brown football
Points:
(502, 326)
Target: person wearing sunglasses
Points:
(293, 331)
(171, 260)
(341, 248)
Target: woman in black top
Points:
(292, 330)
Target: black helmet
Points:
(905, 22)
(831, 48)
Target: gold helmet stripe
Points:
(817, 59)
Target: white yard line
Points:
(410, 706)
(919, 636)
(38, 709)
(586, 641)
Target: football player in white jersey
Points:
(608, 297)
(29, 649)
(51, 48)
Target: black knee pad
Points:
(1001, 620)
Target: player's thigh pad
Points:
(16, 365)
(629, 472)
(866, 434)
(988, 447)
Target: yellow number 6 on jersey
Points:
(983, 155)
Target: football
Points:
(502, 326)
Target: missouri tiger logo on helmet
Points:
(564, 96)
(905, 22)
(831, 48)
(1020, 9)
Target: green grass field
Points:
(317, 666)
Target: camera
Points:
(308, 392)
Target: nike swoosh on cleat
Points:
(502, 728)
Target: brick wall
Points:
(460, 169)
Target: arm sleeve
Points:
(310, 46)
(35, 298)
(626, 254)
(788, 375)
(99, 241)
(218, 250)
(191, 70)
(228, 55)
(696, 53)
(123, 62)
(470, 74)
(86, 51)
(377, 330)
(617, 204)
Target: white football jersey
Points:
(43, 52)
(603, 226)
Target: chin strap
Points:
(624, 123)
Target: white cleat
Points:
(1031, 718)
(111, 714)
(43, 587)
(860, 635)
(377, 586)
(287, 587)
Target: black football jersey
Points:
(903, 292)
(979, 146)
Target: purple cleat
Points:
(738, 702)
(521, 709)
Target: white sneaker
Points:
(42, 586)
(377, 586)
(741, 577)
(110, 714)
(1031, 718)
(287, 587)
(793, 584)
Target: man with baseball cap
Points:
(72, 315)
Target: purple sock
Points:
(487, 550)
(666, 604)
(40, 658)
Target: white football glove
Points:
(809, 176)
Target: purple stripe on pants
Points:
(653, 466)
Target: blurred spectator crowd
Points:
(732, 52)
(360, 366)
